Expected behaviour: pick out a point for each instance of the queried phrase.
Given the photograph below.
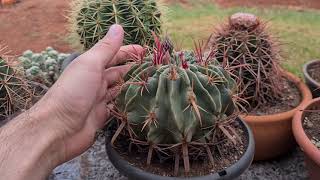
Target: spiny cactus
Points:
(15, 94)
(245, 46)
(42, 67)
(91, 19)
(170, 101)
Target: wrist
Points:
(32, 146)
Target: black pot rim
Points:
(231, 172)
(306, 73)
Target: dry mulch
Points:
(314, 72)
(311, 125)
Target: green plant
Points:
(245, 46)
(91, 19)
(42, 67)
(15, 94)
(172, 101)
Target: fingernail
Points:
(114, 31)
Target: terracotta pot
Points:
(273, 133)
(311, 152)
(312, 84)
(8, 2)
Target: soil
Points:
(291, 98)
(314, 72)
(311, 125)
(225, 154)
(34, 24)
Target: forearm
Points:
(30, 148)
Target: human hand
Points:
(78, 100)
(63, 123)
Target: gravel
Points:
(94, 165)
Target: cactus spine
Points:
(91, 20)
(15, 94)
(174, 100)
(245, 46)
(42, 67)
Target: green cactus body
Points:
(14, 91)
(178, 102)
(245, 46)
(91, 20)
(42, 67)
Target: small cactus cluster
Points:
(245, 46)
(42, 67)
(15, 94)
(90, 20)
(174, 100)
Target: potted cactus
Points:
(90, 20)
(306, 130)
(311, 76)
(270, 95)
(15, 94)
(42, 67)
(175, 117)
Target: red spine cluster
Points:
(184, 63)
(158, 51)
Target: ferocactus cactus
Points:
(91, 19)
(15, 94)
(245, 46)
(172, 100)
(42, 67)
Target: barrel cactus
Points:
(42, 67)
(91, 19)
(15, 94)
(171, 100)
(245, 46)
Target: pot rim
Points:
(306, 96)
(244, 162)
(301, 137)
(306, 73)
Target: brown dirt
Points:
(311, 125)
(34, 24)
(300, 4)
(291, 98)
(314, 72)
(225, 154)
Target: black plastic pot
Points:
(68, 60)
(232, 172)
(313, 85)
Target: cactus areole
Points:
(245, 46)
(91, 20)
(171, 100)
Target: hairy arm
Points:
(62, 125)
(29, 146)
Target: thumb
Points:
(105, 50)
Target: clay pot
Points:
(311, 152)
(273, 133)
(8, 2)
(313, 85)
